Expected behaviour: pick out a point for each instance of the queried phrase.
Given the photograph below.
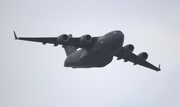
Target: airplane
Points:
(94, 51)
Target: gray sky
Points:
(32, 75)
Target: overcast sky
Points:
(32, 74)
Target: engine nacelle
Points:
(62, 39)
(128, 49)
(142, 57)
(86, 39)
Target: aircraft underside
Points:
(89, 60)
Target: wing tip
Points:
(15, 36)
(159, 68)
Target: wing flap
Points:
(133, 58)
(149, 65)
(44, 40)
(53, 40)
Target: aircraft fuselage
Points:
(99, 54)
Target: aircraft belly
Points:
(81, 59)
(99, 55)
(85, 59)
(72, 60)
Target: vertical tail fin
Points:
(69, 49)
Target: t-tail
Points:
(69, 49)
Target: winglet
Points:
(15, 35)
(159, 67)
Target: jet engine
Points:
(86, 39)
(62, 39)
(128, 49)
(142, 57)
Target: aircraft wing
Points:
(52, 40)
(133, 58)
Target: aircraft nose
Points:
(118, 36)
(117, 40)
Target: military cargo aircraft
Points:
(94, 51)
